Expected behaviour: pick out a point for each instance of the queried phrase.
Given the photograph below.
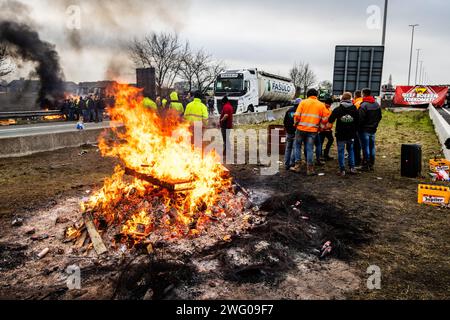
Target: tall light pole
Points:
(386, 3)
(417, 65)
(421, 72)
(413, 26)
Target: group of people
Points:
(197, 111)
(192, 109)
(310, 124)
(88, 109)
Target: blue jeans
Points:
(289, 156)
(86, 116)
(349, 144)
(318, 144)
(368, 144)
(93, 115)
(308, 139)
(100, 115)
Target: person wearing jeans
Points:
(318, 144)
(326, 132)
(307, 139)
(347, 122)
(368, 141)
(308, 119)
(291, 145)
(289, 158)
(349, 146)
(370, 116)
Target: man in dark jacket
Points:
(289, 125)
(347, 118)
(370, 116)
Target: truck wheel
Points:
(251, 109)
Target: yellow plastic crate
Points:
(439, 164)
(433, 195)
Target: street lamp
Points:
(413, 26)
(417, 64)
(386, 4)
(421, 72)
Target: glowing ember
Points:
(8, 122)
(54, 118)
(160, 148)
(72, 233)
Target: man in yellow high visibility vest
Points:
(175, 104)
(196, 110)
(149, 104)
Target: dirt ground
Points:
(371, 219)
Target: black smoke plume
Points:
(25, 44)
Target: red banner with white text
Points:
(420, 95)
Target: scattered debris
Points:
(43, 253)
(30, 231)
(82, 153)
(81, 240)
(61, 220)
(148, 295)
(40, 237)
(97, 241)
(326, 250)
(18, 222)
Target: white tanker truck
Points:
(250, 90)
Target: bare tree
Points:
(200, 70)
(296, 74)
(5, 64)
(303, 76)
(187, 71)
(164, 52)
(326, 85)
(309, 78)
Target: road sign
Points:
(358, 67)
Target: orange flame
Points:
(160, 148)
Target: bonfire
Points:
(164, 188)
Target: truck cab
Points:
(241, 88)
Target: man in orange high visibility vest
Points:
(311, 113)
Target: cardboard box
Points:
(433, 195)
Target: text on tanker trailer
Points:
(250, 89)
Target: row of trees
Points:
(174, 59)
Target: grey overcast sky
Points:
(267, 34)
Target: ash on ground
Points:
(272, 250)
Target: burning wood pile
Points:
(164, 190)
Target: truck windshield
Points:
(229, 85)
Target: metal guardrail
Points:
(29, 114)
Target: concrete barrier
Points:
(442, 129)
(31, 144)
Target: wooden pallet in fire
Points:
(173, 186)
